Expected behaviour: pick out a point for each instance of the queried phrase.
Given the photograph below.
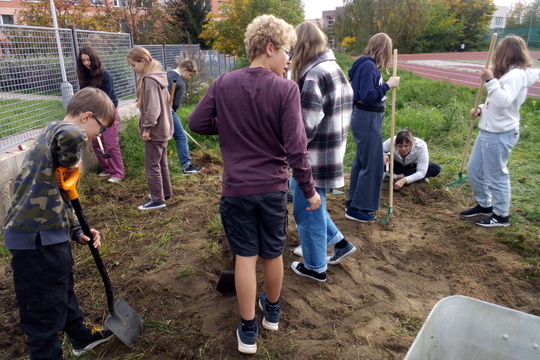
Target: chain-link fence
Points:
(36, 82)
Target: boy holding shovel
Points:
(39, 224)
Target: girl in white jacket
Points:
(487, 169)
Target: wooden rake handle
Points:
(392, 124)
(477, 103)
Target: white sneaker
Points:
(298, 251)
(114, 179)
(103, 174)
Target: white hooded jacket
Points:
(500, 113)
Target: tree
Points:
(442, 31)
(144, 19)
(520, 15)
(187, 18)
(402, 20)
(78, 13)
(475, 16)
(226, 31)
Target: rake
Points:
(464, 179)
(385, 220)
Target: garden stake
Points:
(464, 179)
(385, 220)
(173, 88)
(124, 322)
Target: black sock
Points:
(341, 244)
(272, 306)
(249, 325)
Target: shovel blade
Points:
(225, 283)
(126, 324)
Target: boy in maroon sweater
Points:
(256, 113)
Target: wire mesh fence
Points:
(38, 72)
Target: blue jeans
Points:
(315, 228)
(182, 146)
(367, 170)
(488, 172)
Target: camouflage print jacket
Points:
(38, 206)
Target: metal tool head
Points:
(125, 323)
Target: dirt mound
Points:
(166, 265)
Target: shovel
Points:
(103, 153)
(225, 283)
(124, 322)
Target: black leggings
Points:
(433, 169)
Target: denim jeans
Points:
(367, 170)
(316, 230)
(488, 172)
(182, 146)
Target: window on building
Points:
(6, 19)
(119, 3)
(97, 2)
(498, 21)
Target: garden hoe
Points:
(225, 283)
(385, 220)
(124, 322)
(463, 179)
(103, 153)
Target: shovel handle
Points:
(67, 180)
(173, 89)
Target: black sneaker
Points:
(477, 210)
(98, 335)
(301, 270)
(192, 169)
(152, 205)
(494, 221)
(247, 340)
(340, 254)
(271, 317)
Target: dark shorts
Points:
(255, 224)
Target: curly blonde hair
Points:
(266, 29)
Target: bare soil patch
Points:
(166, 264)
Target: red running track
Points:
(455, 76)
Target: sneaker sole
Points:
(245, 348)
(304, 275)
(91, 346)
(347, 216)
(267, 324)
(477, 214)
(152, 208)
(350, 252)
(192, 172)
(494, 225)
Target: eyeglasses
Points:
(103, 128)
(288, 52)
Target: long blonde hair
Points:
(140, 54)
(511, 52)
(379, 48)
(310, 42)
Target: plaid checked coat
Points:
(327, 104)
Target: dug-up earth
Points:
(166, 264)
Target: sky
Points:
(314, 8)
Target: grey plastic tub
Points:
(462, 328)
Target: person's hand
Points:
(315, 202)
(393, 82)
(474, 113)
(386, 160)
(146, 136)
(400, 183)
(83, 239)
(486, 74)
